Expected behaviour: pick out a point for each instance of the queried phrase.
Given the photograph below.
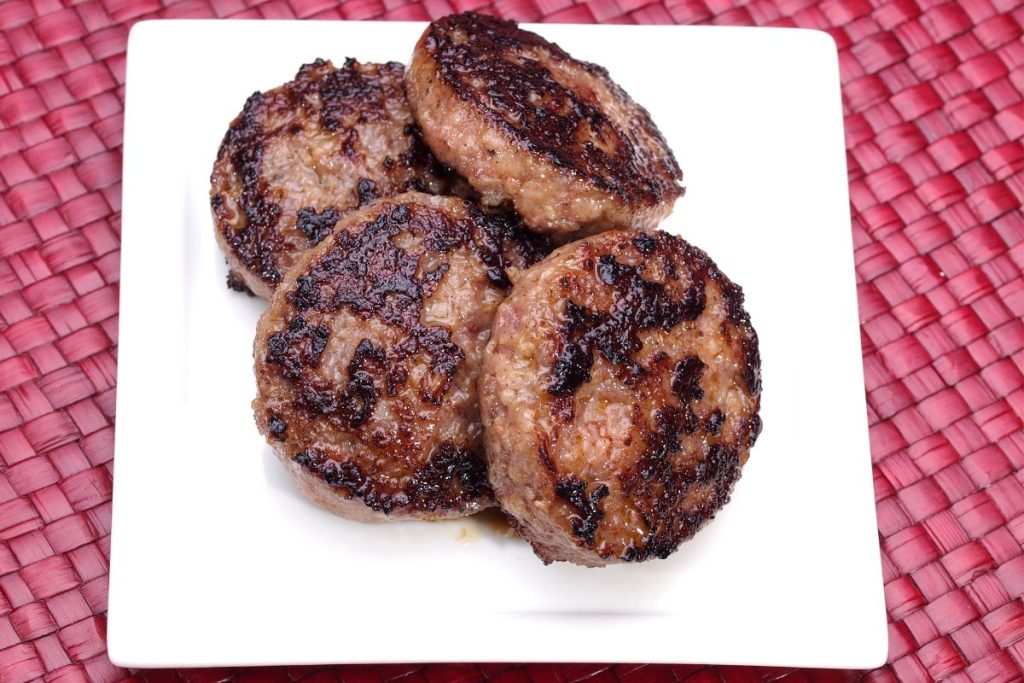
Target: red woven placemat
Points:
(934, 119)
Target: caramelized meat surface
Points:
(301, 156)
(528, 124)
(367, 359)
(619, 394)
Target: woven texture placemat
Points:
(934, 119)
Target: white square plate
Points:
(218, 560)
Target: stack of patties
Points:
(425, 356)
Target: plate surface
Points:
(218, 560)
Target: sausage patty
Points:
(367, 359)
(619, 393)
(525, 122)
(300, 156)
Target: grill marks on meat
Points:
(502, 239)
(640, 305)
(445, 358)
(686, 379)
(297, 347)
(375, 423)
(316, 225)
(532, 128)
(659, 483)
(369, 274)
(501, 71)
(243, 146)
(427, 491)
(355, 403)
(468, 468)
(276, 426)
(572, 368)
(661, 488)
(347, 97)
(643, 445)
(663, 479)
(586, 505)
(300, 156)
(366, 272)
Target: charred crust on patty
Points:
(715, 421)
(236, 284)
(419, 156)
(296, 347)
(372, 276)
(347, 96)
(659, 486)
(366, 272)
(243, 145)
(276, 426)
(520, 96)
(345, 475)
(299, 156)
(367, 191)
(639, 305)
(368, 413)
(317, 402)
(645, 243)
(316, 225)
(444, 355)
(752, 363)
(641, 363)
(356, 401)
(501, 238)
(686, 379)
(587, 513)
(432, 485)
(572, 368)
(451, 475)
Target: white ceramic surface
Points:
(218, 560)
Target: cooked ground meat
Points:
(301, 156)
(367, 358)
(526, 123)
(619, 395)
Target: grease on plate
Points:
(491, 522)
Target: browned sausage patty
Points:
(302, 155)
(367, 358)
(619, 393)
(525, 122)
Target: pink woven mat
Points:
(934, 119)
